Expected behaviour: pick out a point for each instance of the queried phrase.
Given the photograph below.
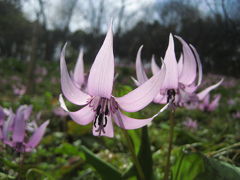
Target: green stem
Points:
(21, 163)
(134, 157)
(170, 143)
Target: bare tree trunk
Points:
(32, 62)
(120, 17)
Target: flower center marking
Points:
(171, 95)
(104, 108)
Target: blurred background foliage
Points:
(37, 29)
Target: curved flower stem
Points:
(134, 157)
(172, 124)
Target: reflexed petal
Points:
(214, 104)
(7, 127)
(141, 75)
(78, 74)
(19, 126)
(126, 122)
(199, 65)
(171, 78)
(189, 68)
(143, 95)
(70, 91)
(100, 81)
(201, 95)
(158, 99)
(190, 89)
(155, 68)
(206, 100)
(27, 110)
(180, 64)
(83, 116)
(135, 81)
(109, 131)
(37, 136)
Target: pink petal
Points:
(37, 136)
(7, 127)
(206, 100)
(159, 98)
(100, 81)
(206, 91)
(199, 64)
(180, 64)
(27, 110)
(191, 88)
(19, 126)
(155, 68)
(70, 91)
(141, 75)
(189, 68)
(83, 116)
(126, 122)
(78, 74)
(109, 132)
(214, 104)
(171, 78)
(143, 95)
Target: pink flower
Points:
(206, 105)
(236, 115)
(19, 90)
(180, 83)
(190, 124)
(39, 79)
(100, 105)
(54, 80)
(15, 127)
(60, 112)
(231, 102)
(42, 71)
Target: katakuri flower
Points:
(206, 105)
(100, 105)
(181, 82)
(16, 128)
(190, 124)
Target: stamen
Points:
(171, 95)
(104, 108)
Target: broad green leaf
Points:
(195, 166)
(219, 170)
(105, 170)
